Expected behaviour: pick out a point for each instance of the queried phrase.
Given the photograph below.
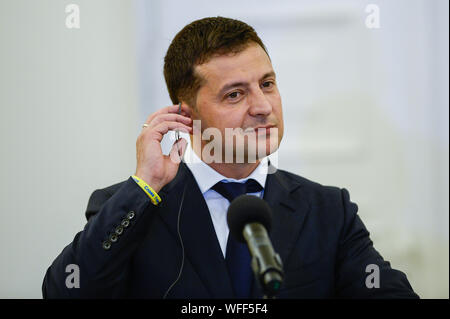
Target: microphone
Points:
(249, 219)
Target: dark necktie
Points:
(238, 257)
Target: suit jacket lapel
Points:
(288, 215)
(201, 246)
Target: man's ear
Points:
(188, 110)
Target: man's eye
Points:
(234, 95)
(267, 84)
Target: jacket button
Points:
(125, 223)
(119, 230)
(130, 215)
(106, 245)
(113, 238)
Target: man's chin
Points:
(269, 146)
(253, 155)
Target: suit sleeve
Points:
(361, 271)
(102, 251)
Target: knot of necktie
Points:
(231, 190)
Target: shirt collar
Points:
(207, 177)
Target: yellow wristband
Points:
(148, 190)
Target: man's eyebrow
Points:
(268, 75)
(235, 84)
(226, 87)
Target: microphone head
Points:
(247, 209)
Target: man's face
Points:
(240, 91)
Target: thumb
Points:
(178, 149)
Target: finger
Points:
(156, 133)
(172, 118)
(167, 126)
(160, 111)
(169, 109)
(177, 151)
(164, 110)
(184, 110)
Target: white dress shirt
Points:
(207, 177)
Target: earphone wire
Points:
(182, 246)
(177, 139)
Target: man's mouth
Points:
(260, 128)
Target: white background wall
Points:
(365, 109)
(68, 121)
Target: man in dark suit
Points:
(163, 234)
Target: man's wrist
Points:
(151, 192)
(154, 183)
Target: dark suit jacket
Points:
(324, 246)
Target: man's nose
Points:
(259, 104)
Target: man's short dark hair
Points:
(195, 44)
